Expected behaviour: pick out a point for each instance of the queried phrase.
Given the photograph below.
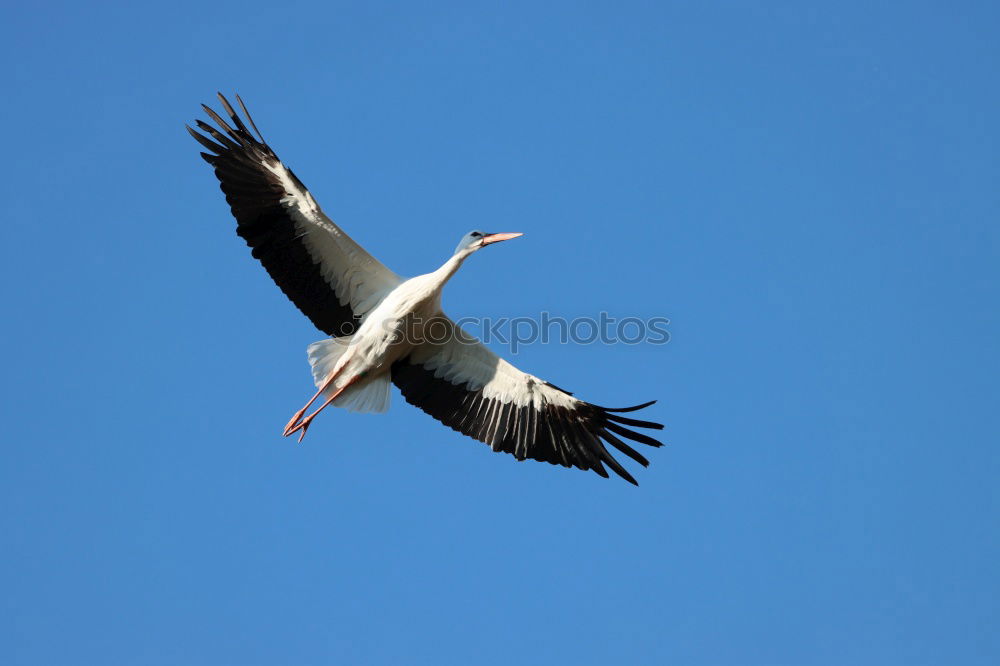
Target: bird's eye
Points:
(475, 234)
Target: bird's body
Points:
(387, 334)
(394, 327)
(386, 329)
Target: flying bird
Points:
(386, 329)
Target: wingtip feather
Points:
(250, 119)
(629, 409)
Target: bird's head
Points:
(474, 240)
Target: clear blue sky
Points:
(809, 192)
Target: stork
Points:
(386, 329)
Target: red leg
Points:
(298, 415)
(304, 425)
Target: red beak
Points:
(496, 238)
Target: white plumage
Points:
(386, 329)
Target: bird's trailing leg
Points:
(298, 415)
(305, 423)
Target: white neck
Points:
(448, 268)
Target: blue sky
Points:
(808, 192)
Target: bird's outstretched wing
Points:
(328, 276)
(465, 386)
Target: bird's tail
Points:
(369, 394)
